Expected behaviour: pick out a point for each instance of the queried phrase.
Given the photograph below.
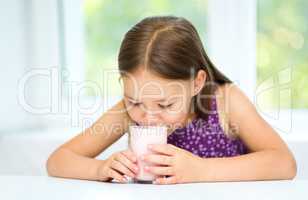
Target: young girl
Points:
(215, 133)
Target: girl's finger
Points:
(128, 163)
(166, 180)
(116, 175)
(159, 170)
(130, 155)
(121, 168)
(167, 149)
(158, 159)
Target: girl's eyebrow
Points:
(159, 100)
(130, 97)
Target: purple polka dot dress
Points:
(206, 138)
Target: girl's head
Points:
(166, 73)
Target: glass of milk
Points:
(140, 138)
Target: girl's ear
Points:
(199, 82)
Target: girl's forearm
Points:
(263, 165)
(67, 164)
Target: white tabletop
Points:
(44, 187)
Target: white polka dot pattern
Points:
(206, 138)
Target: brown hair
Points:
(170, 47)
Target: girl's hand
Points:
(179, 165)
(117, 165)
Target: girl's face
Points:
(152, 100)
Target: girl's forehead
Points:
(147, 84)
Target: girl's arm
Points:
(75, 158)
(269, 156)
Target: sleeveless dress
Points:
(206, 138)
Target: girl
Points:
(215, 133)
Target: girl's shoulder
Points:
(233, 99)
(230, 95)
(231, 102)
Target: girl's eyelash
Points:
(162, 106)
(165, 106)
(135, 104)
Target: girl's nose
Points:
(150, 119)
(151, 116)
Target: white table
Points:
(44, 187)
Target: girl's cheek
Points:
(134, 114)
(175, 119)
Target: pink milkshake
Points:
(140, 137)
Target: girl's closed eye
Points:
(135, 103)
(165, 106)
